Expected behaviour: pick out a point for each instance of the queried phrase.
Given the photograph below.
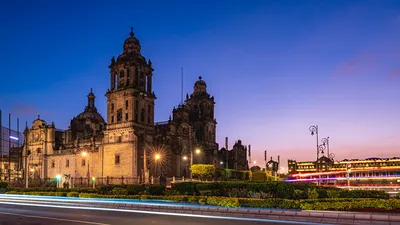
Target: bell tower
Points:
(130, 109)
(201, 117)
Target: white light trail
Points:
(162, 213)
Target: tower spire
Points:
(131, 32)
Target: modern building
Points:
(10, 143)
(348, 172)
(127, 143)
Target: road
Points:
(24, 212)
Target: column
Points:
(149, 82)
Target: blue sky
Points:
(274, 67)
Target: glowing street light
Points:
(84, 154)
(221, 162)
(254, 162)
(185, 157)
(198, 151)
(58, 177)
(157, 156)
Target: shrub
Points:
(156, 190)
(269, 203)
(88, 195)
(332, 194)
(222, 201)
(258, 176)
(119, 191)
(203, 171)
(73, 194)
(3, 185)
(185, 188)
(312, 193)
(107, 189)
(135, 189)
(299, 194)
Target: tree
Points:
(203, 171)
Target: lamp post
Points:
(85, 154)
(348, 170)
(157, 158)
(198, 151)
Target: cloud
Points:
(22, 109)
(360, 65)
(394, 74)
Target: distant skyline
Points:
(274, 67)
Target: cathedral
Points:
(127, 142)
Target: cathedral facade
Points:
(128, 143)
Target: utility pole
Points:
(9, 148)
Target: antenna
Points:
(181, 85)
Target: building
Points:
(236, 158)
(348, 172)
(126, 143)
(10, 143)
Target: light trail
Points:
(163, 213)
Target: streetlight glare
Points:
(221, 162)
(84, 154)
(185, 158)
(198, 151)
(58, 177)
(255, 162)
(157, 156)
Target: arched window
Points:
(119, 115)
(116, 81)
(121, 74)
(142, 115)
(128, 76)
(112, 107)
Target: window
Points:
(112, 119)
(142, 115)
(127, 76)
(126, 116)
(126, 104)
(136, 117)
(115, 81)
(117, 159)
(67, 163)
(112, 107)
(83, 162)
(119, 115)
(121, 74)
(53, 164)
(118, 139)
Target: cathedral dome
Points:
(200, 86)
(89, 121)
(132, 44)
(93, 116)
(90, 112)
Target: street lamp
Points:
(198, 151)
(84, 155)
(58, 177)
(157, 157)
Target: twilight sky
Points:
(274, 67)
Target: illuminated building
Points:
(125, 142)
(353, 172)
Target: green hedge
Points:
(274, 189)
